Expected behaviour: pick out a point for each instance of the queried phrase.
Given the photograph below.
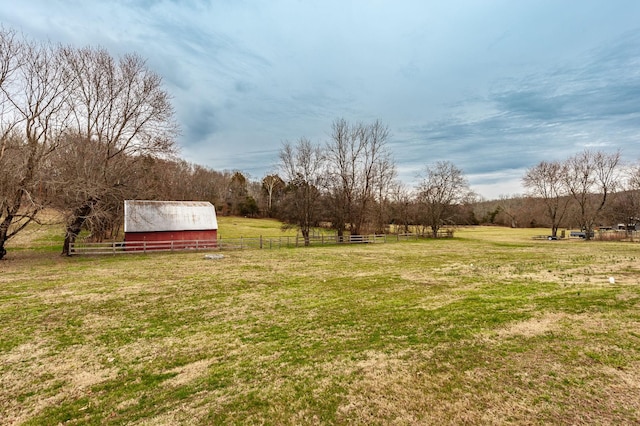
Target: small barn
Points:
(163, 225)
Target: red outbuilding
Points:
(169, 225)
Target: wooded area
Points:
(81, 131)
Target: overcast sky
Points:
(493, 86)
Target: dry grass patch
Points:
(405, 390)
(532, 327)
(522, 388)
(501, 330)
(188, 373)
(34, 379)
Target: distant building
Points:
(181, 224)
(628, 227)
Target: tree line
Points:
(350, 185)
(81, 131)
(588, 189)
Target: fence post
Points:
(261, 241)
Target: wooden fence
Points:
(137, 247)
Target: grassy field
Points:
(236, 227)
(491, 327)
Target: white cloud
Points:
(494, 86)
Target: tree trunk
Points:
(3, 239)
(9, 215)
(74, 227)
(4, 229)
(305, 235)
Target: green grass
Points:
(490, 327)
(237, 227)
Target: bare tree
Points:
(10, 60)
(590, 178)
(34, 86)
(200, 181)
(634, 178)
(443, 187)
(302, 166)
(633, 195)
(343, 153)
(11, 158)
(272, 186)
(625, 207)
(402, 207)
(359, 171)
(121, 110)
(547, 181)
(384, 184)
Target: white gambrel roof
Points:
(153, 216)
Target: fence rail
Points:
(137, 247)
(117, 247)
